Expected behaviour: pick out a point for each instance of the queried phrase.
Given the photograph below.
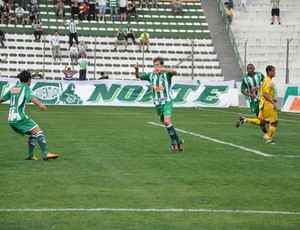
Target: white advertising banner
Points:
(186, 93)
(292, 104)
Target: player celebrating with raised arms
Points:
(19, 95)
(160, 80)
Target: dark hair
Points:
(161, 60)
(102, 73)
(269, 68)
(24, 76)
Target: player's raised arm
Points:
(137, 71)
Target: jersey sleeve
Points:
(145, 76)
(28, 93)
(6, 96)
(267, 86)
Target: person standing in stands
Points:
(56, 52)
(113, 10)
(2, 37)
(83, 63)
(275, 11)
(102, 9)
(73, 30)
(92, 10)
(229, 13)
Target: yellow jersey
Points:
(269, 88)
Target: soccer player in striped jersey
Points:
(267, 106)
(251, 84)
(160, 80)
(19, 95)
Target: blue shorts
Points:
(102, 9)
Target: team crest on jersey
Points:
(15, 90)
(157, 89)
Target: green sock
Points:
(42, 142)
(31, 145)
(173, 135)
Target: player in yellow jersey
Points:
(267, 106)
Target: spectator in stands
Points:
(9, 3)
(24, 4)
(36, 75)
(177, 7)
(74, 8)
(132, 11)
(129, 33)
(74, 53)
(275, 11)
(82, 47)
(113, 10)
(83, 63)
(60, 9)
(229, 13)
(104, 75)
(56, 52)
(120, 37)
(35, 3)
(2, 38)
(33, 14)
(144, 2)
(144, 39)
(123, 10)
(73, 31)
(102, 9)
(84, 10)
(92, 10)
(19, 11)
(5, 14)
(37, 26)
(155, 4)
(69, 73)
(243, 5)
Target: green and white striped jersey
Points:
(252, 84)
(161, 86)
(18, 95)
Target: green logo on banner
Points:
(47, 93)
(69, 97)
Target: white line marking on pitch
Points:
(144, 210)
(218, 141)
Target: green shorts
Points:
(164, 110)
(254, 106)
(24, 126)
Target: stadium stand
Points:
(171, 37)
(266, 43)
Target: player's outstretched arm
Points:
(137, 71)
(35, 101)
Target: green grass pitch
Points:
(116, 171)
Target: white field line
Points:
(218, 141)
(146, 210)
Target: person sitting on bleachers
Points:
(104, 76)
(19, 11)
(36, 75)
(132, 11)
(129, 33)
(144, 39)
(60, 9)
(82, 47)
(177, 7)
(229, 13)
(69, 73)
(74, 8)
(84, 10)
(5, 14)
(74, 53)
(33, 14)
(120, 37)
(37, 26)
(155, 4)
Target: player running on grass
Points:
(251, 84)
(267, 106)
(160, 80)
(19, 95)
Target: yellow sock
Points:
(272, 131)
(254, 121)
